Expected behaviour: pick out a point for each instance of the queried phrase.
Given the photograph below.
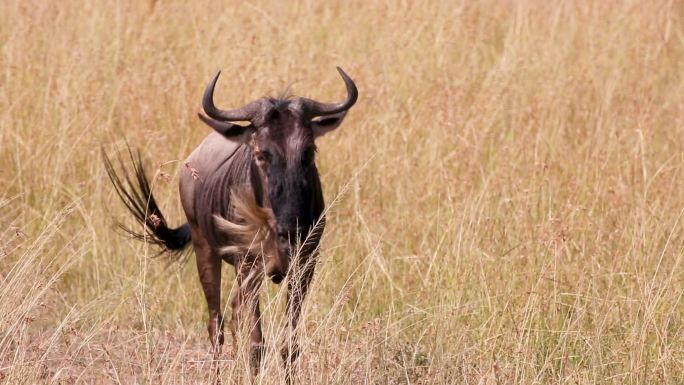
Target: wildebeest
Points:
(252, 197)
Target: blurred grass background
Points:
(508, 189)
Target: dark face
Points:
(283, 150)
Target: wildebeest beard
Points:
(251, 230)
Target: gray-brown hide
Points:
(252, 197)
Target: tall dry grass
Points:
(510, 188)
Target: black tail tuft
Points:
(138, 198)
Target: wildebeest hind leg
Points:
(209, 269)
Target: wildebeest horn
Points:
(246, 113)
(318, 109)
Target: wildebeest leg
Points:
(297, 286)
(246, 312)
(209, 269)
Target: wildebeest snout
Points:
(277, 266)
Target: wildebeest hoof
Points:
(215, 329)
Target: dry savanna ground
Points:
(507, 194)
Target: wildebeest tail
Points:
(136, 194)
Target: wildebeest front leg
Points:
(298, 286)
(246, 313)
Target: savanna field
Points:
(506, 197)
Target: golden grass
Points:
(510, 188)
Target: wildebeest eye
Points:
(262, 157)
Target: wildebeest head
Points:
(281, 135)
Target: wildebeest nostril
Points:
(277, 278)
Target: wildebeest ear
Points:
(324, 124)
(229, 130)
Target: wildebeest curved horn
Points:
(246, 113)
(224, 128)
(317, 108)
